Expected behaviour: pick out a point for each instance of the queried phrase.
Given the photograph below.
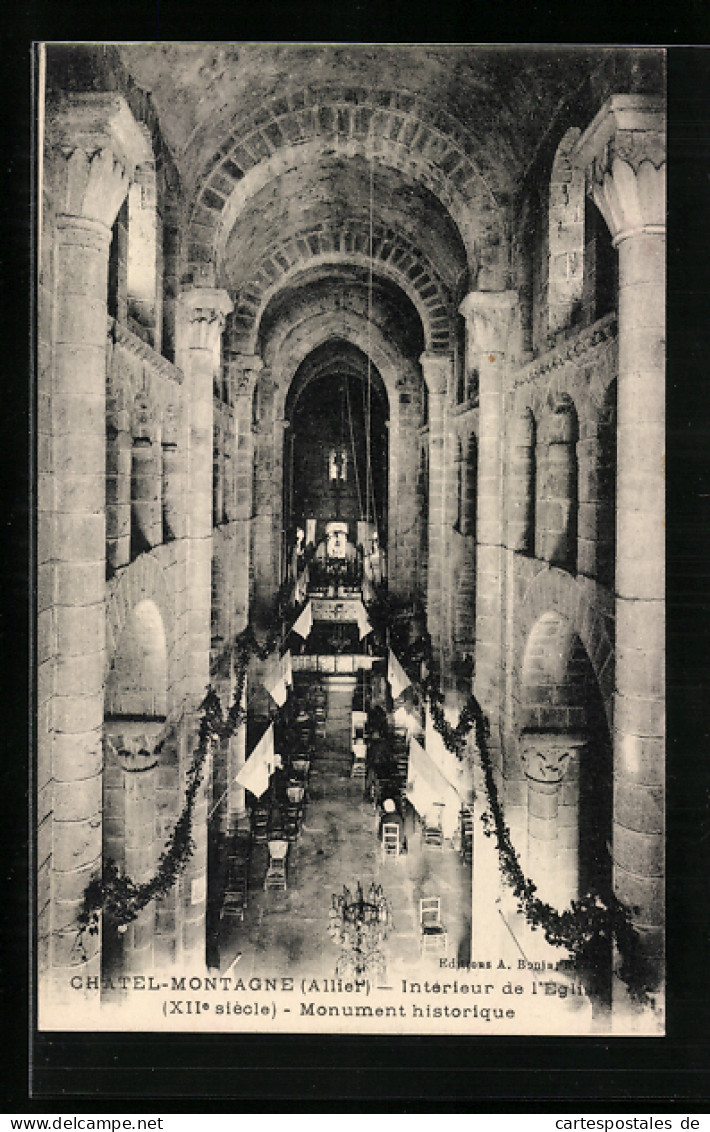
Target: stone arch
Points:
(287, 350)
(393, 127)
(137, 678)
(555, 591)
(566, 752)
(393, 256)
(144, 580)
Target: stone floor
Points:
(286, 933)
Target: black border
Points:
(120, 1072)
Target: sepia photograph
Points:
(350, 558)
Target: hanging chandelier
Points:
(360, 924)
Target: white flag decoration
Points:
(363, 624)
(399, 681)
(406, 719)
(301, 586)
(274, 682)
(429, 791)
(286, 669)
(304, 622)
(257, 770)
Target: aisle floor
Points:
(286, 933)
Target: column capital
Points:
(437, 369)
(100, 144)
(546, 757)
(204, 310)
(489, 316)
(244, 369)
(623, 154)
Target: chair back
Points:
(430, 911)
(390, 839)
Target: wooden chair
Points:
(235, 900)
(390, 840)
(260, 822)
(293, 821)
(466, 821)
(433, 936)
(276, 872)
(432, 832)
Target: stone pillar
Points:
(553, 824)
(130, 836)
(243, 372)
(173, 488)
(520, 485)
(560, 527)
(488, 317)
(201, 312)
(118, 486)
(623, 153)
(438, 373)
(96, 144)
(146, 480)
(268, 463)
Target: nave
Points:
(286, 931)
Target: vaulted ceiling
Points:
(401, 159)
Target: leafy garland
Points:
(115, 894)
(591, 924)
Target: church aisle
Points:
(286, 933)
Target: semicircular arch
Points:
(451, 177)
(395, 259)
(554, 592)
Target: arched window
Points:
(338, 464)
(144, 296)
(566, 237)
(600, 285)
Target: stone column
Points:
(243, 371)
(268, 464)
(623, 153)
(201, 311)
(488, 317)
(173, 476)
(520, 484)
(130, 834)
(96, 145)
(438, 372)
(146, 480)
(553, 833)
(118, 485)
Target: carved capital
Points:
(134, 749)
(203, 312)
(489, 317)
(547, 758)
(244, 370)
(96, 147)
(437, 370)
(623, 154)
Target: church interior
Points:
(350, 517)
